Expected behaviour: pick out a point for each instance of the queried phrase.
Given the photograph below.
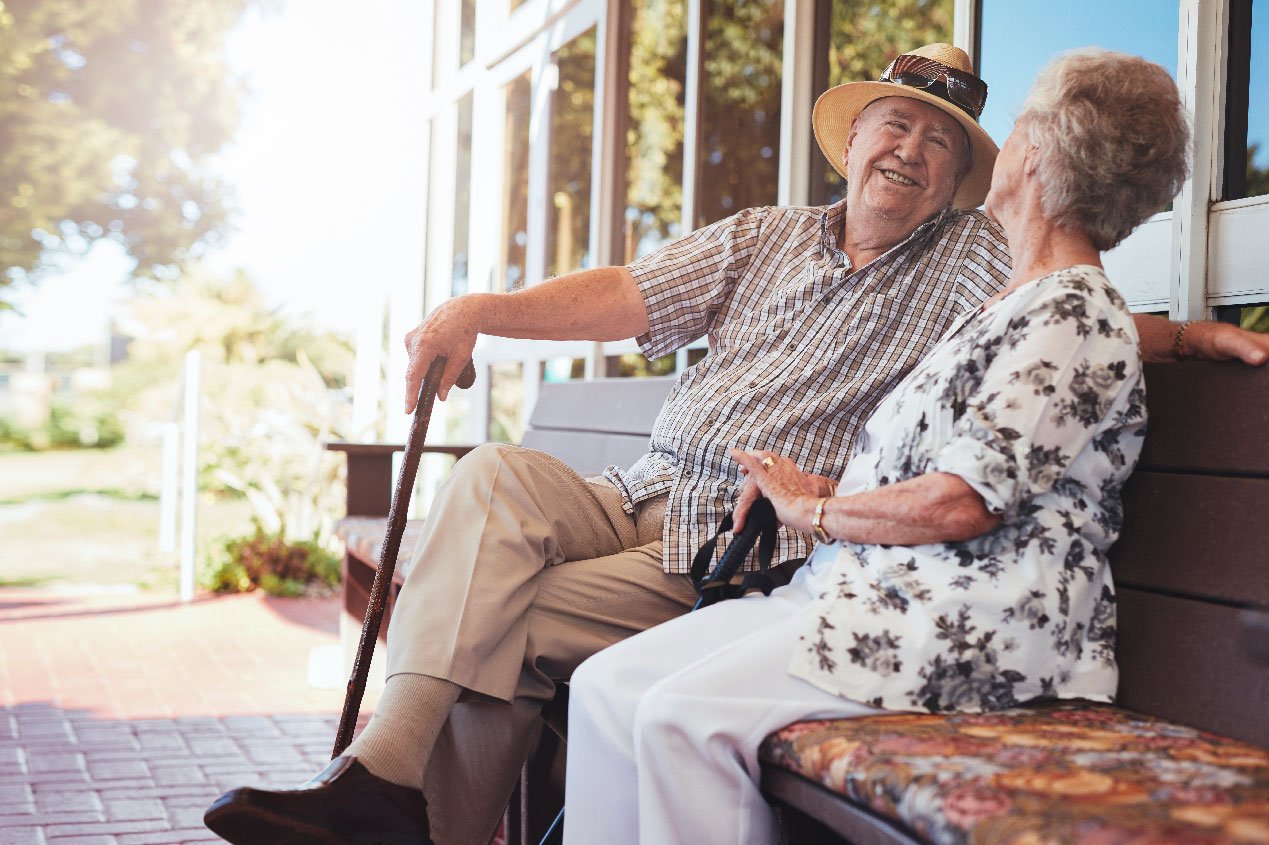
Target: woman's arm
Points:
(933, 508)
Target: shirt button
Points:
(687, 473)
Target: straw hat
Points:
(837, 108)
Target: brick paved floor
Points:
(122, 717)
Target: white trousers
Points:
(664, 727)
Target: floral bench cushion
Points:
(1063, 773)
(363, 535)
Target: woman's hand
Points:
(792, 491)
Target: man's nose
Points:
(908, 149)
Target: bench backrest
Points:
(592, 424)
(1193, 559)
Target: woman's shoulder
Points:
(1080, 289)
(1078, 303)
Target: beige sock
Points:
(398, 741)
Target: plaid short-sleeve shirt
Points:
(802, 347)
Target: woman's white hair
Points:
(1113, 141)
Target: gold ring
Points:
(768, 461)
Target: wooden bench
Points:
(590, 425)
(1191, 570)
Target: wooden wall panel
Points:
(1195, 534)
(1186, 661)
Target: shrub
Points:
(13, 436)
(80, 428)
(67, 427)
(269, 562)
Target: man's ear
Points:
(850, 139)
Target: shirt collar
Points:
(831, 223)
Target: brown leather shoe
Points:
(343, 804)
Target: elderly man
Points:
(525, 569)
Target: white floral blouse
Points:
(1039, 404)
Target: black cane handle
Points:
(388, 552)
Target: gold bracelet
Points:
(1178, 342)
(817, 523)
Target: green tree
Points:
(109, 115)
(654, 139)
(1257, 177)
(864, 37)
(271, 396)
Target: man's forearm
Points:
(1163, 341)
(602, 303)
(1157, 336)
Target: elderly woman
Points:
(961, 565)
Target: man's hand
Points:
(449, 331)
(1210, 341)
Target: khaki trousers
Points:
(524, 569)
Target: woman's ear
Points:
(1031, 160)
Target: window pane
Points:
(572, 128)
(863, 37)
(1258, 103)
(563, 369)
(467, 33)
(635, 365)
(506, 402)
(739, 153)
(654, 139)
(462, 198)
(515, 192)
(1255, 318)
(1016, 46)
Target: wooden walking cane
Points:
(390, 547)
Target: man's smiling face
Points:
(904, 159)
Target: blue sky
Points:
(1017, 44)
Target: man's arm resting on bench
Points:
(602, 303)
(1203, 339)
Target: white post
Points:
(795, 112)
(1198, 73)
(189, 491)
(169, 492)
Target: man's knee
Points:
(485, 460)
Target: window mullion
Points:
(692, 109)
(1200, 51)
(608, 180)
(797, 78)
(965, 27)
(545, 81)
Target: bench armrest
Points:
(369, 489)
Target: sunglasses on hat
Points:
(947, 83)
